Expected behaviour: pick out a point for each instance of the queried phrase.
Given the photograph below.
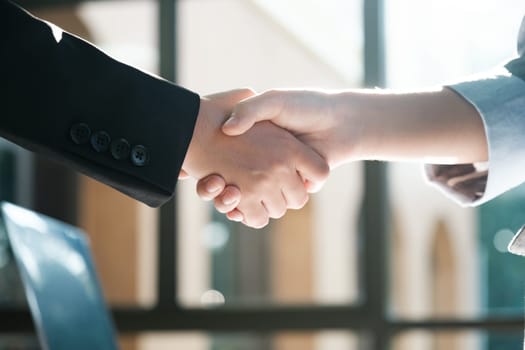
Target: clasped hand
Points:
(272, 168)
(278, 146)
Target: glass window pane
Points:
(447, 261)
(134, 40)
(309, 256)
(432, 42)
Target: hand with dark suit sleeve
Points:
(64, 98)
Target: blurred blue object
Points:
(60, 282)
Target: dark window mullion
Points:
(167, 251)
(374, 236)
(131, 320)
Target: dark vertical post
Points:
(375, 213)
(374, 50)
(167, 269)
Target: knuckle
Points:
(259, 222)
(298, 202)
(231, 195)
(220, 207)
(320, 171)
(280, 213)
(235, 215)
(262, 224)
(202, 193)
(281, 163)
(295, 205)
(324, 170)
(265, 180)
(248, 90)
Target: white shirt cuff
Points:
(499, 97)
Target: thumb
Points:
(266, 106)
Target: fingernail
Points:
(212, 187)
(228, 200)
(231, 120)
(236, 218)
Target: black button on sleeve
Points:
(100, 141)
(120, 149)
(80, 133)
(139, 155)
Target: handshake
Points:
(259, 155)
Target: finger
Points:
(275, 204)
(257, 223)
(312, 187)
(235, 215)
(228, 199)
(255, 215)
(294, 193)
(183, 175)
(210, 187)
(312, 167)
(246, 113)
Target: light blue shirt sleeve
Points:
(499, 97)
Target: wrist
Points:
(193, 153)
(354, 119)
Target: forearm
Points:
(435, 126)
(54, 82)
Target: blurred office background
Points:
(376, 260)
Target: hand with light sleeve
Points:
(267, 163)
(435, 126)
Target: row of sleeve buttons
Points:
(101, 142)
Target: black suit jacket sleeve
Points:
(53, 83)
